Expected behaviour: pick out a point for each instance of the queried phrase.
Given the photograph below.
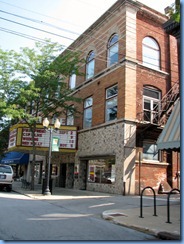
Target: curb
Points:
(110, 217)
(168, 236)
(163, 235)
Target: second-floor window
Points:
(90, 65)
(88, 103)
(112, 50)
(151, 107)
(151, 53)
(69, 118)
(72, 81)
(111, 103)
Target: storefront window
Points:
(101, 171)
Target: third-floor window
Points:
(90, 65)
(112, 55)
(151, 53)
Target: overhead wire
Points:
(42, 40)
(22, 35)
(48, 32)
(41, 22)
(38, 13)
(86, 35)
(112, 13)
(96, 38)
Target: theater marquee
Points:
(21, 138)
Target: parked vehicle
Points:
(6, 177)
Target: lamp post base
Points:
(47, 192)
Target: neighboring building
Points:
(169, 139)
(131, 64)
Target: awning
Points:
(170, 136)
(15, 158)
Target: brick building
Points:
(131, 65)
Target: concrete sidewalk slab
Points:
(150, 224)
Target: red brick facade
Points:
(132, 22)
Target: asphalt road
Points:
(24, 218)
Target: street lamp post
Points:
(51, 129)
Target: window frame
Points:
(150, 114)
(87, 108)
(110, 46)
(69, 117)
(151, 60)
(72, 81)
(90, 65)
(146, 156)
(110, 98)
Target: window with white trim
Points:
(151, 53)
(72, 81)
(90, 65)
(113, 47)
(111, 103)
(151, 104)
(87, 121)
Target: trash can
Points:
(44, 185)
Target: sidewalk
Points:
(155, 225)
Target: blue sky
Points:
(69, 19)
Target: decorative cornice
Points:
(172, 28)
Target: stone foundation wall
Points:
(115, 139)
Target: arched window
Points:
(113, 50)
(90, 65)
(151, 53)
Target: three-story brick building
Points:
(131, 63)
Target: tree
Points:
(44, 92)
(9, 89)
(173, 11)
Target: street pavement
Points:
(155, 221)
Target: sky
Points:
(61, 21)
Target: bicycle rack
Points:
(141, 216)
(168, 204)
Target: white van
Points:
(6, 177)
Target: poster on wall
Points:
(55, 144)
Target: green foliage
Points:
(32, 82)
(32, 85)
(174, 11)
